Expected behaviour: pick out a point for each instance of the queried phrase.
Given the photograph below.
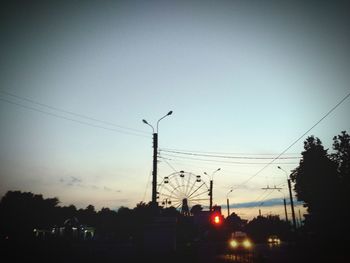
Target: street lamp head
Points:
(279, 167)
(216, 171)
(144, 121)
(169, 113)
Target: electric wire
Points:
(225, 156)
(71, 113)
(147, 185)
(299, 138)
(165, 160)
(220, 161)
(71, 119)
(223, 153)
(262, 197)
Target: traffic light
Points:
(216, 219)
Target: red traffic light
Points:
(216, 219)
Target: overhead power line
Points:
(71, 113)
(165, 160)
(223, 153)
(218, 161)
(299, 138)
(71, 119)
(263, 196)
(226, 156)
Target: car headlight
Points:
(233, 243)
(247, 243)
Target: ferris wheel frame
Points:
(177, 186)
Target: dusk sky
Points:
(242, 79)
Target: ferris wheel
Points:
(183, 190)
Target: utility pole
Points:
(284, 199)
(285, 209)
(155, 160)
(211, 195)
(300, 219)
(228, 207)
(291, 198)
(292, 205)
(154, 173)
(271, 188)
(211, 188)
(228, 202)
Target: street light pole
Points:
(292, 205)
(285, 206)
(155, 169)
(291, 198)
(285, 209)
(211, 188)
(155, 160)
(228, 202)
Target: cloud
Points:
(75, 180)
(264, 203)
(110, 189)
(71, 181)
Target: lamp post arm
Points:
(215, 172)
(145, 122)
(279, 167)
(169, 113)
(229, 193)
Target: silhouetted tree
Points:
(259, 228)
(106, 226)
(143, 212)
(65, 213)
(87, 216)
(341, 145)
(170, 211)
(320, 182)
(234, 222)
(196, 209)
(21, 212)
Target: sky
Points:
(243, 79)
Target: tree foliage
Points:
(341, 145)
(235, 223)
(259, 228)
(25, 211)
(21, 212)
(321, 182)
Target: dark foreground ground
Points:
(201, 252)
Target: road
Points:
(286, 253)
(203, 252)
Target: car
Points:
(240, 242)
(273, 240)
